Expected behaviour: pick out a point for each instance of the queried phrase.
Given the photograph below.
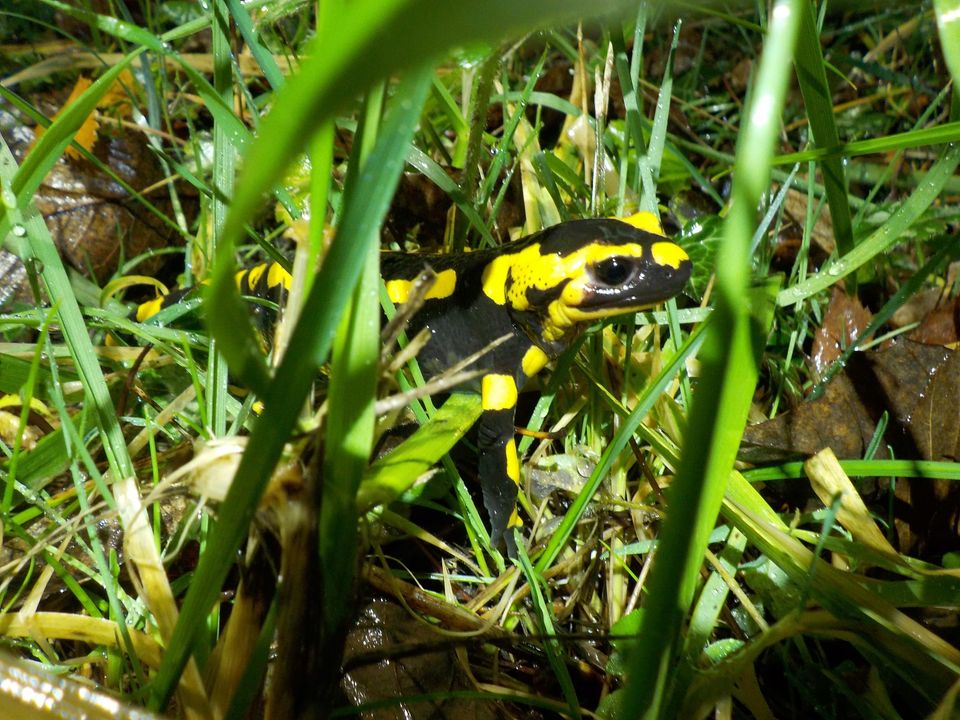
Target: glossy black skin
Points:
(464, 323)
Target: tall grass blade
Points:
(269, 67)
(543, 610)
(729, 361)
(224, 169)
(936, 135)
(948, 24)
(812, 76)
(350, 431)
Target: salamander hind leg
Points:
(499, 475)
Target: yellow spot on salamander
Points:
(444, 285)
(667, 253)
(255, 274)
(498, 392)
(645, 221)
(399, 290)
(514, 520)
(534, 360)
(238, 277)
(513, 462)
(495, 274)
(149, 309)
(276, 275)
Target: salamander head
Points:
(580, 271)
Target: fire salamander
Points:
(540, 291)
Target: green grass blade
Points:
(729, 360)
(543, 99)
(264, 58)
(27, 392)
(812, 76)
(543, 609)
(348, 446)
(948, 25)
(392, 475)
(935, 135)
(932, 469)
(650, 162)
(704, 618)
(631, 103)
(350, 431)
(110, 25)
(224, 169)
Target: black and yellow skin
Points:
(540, 292)
(264, 281)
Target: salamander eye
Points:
(613, 271)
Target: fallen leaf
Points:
(941, 325)
(95, 222)
(916, 308)
(917, 385)
(843, 321)
(391, 655)
(795, 206)
(86, 135)
(115, 102)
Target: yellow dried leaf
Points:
(828, 481)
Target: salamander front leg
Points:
(499, 465)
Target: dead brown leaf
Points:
(391, 655)
(941, 325)
(94, 220)
(917, 385)
(795, 206)
(843, 321)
